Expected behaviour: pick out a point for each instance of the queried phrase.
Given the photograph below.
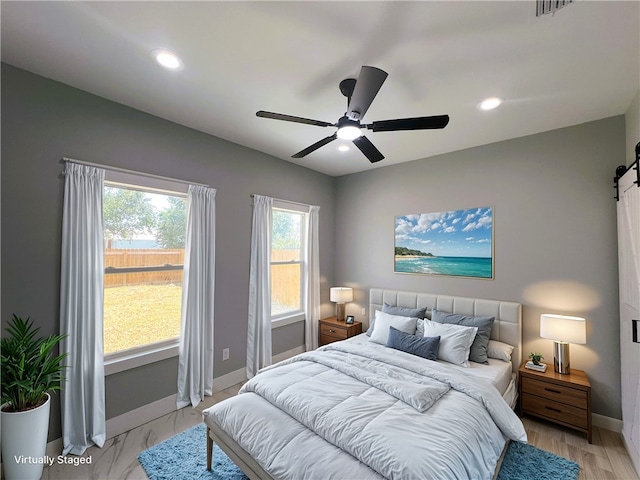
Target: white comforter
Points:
(366, 411)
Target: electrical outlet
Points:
(225, 354)
(364, 312)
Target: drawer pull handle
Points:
(332, 331)
(552, 409)
(552, 390)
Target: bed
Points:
(357, 409)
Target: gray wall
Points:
(554, 232)
(632, 120)
(43, 121)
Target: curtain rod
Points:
(286, 201)
(133, 172)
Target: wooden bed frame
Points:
(507, 328)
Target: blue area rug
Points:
(184, 457)
(526, 462)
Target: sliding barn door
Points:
(629, 260)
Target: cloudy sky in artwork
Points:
(458, 233)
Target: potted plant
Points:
(29, 371)
(536, 357)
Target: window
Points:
(145, 233)
(288, 247)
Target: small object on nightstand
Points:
(350, 319)
(540, 367)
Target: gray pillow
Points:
(425, 347)
(478, 352)
(404, 311)
(400, 311)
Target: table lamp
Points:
(341, 295)
(563, 330)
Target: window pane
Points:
(140, 314)
(285, 288)
(286, 236)
(142, 230)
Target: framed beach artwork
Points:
(456, 243)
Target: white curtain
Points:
(259, 328)
(195, 365)
(81, 309)
(312, 280)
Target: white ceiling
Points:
(578, 65)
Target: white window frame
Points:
(154, 352)
(297, 315)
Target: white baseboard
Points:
(607, 423)
(288, 354)
(141, 415)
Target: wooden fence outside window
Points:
(285, 278)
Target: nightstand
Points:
(332, 330)
(564, 399)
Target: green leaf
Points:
(28, 367)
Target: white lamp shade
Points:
(563, 328)
(341, 294)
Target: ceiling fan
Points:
(360, 94)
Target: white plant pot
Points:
(24, 442)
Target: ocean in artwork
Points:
(479, 267)
(454, 243)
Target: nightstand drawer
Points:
(333, 331)
(557, 393)
(554, 410)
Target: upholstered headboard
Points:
(507, 326)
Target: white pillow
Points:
(499, 350)
(455, 341)
(420, 327)
(385, 320)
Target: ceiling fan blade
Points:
(417, 123)
(315, 146)
(369, 150)
(367, 86)
(291, 118)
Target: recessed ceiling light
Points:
(344, 148)
(168, 60)
(490, 103)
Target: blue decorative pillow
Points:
(478, 352)
(426, 347)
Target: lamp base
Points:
(561, 357)
(340, 310)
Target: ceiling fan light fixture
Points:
(349, 132)
(348, 129)
(490, 103)
(168, 60)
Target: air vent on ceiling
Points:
(544, 7)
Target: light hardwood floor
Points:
(605, 459)
(118, 458)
